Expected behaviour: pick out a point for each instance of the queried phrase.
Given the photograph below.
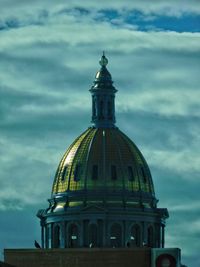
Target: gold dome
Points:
(103, 194)
(103, 159)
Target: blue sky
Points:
(49, 55)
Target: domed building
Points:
(103, 194)
(103, 210)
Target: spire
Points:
(103, 61)
(103, 97)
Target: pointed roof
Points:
(103, 78)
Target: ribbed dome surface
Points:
(103, 159)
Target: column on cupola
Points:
(103, 107)
(103, 97)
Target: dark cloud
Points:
(49, 58)
(157, 131)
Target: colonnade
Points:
(75, 234)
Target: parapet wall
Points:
(94, 257)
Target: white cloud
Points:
(68, 30)
(47, 66)
(188, 207)
(165, 102)
(159, 7)
(186, 160)
(52, 45)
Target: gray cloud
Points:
(48, 63)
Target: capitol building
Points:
(103, 208)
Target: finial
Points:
(103, 61)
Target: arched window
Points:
(77, 172)
(94, 108)
(64, 173)
(150, 237)
(135, 236)
(109, 110)
(130, 174)
(93, 235)
(73, 236)
(113, 172)
(116, 235)
(95, 172)
(144, 175)
(101, 110)
(56, 236)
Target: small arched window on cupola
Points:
(77, 172)
(64, 173)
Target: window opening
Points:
(95, 172)
(56, 236)
(113, 172)
(64, 173)
(73, 238)
(135, 236)
(94, 108)
(93, 235)
(150, 236)
(116, 236)
(101, 110)
(57, 171)
(109, 110)
(77, 173)
(144, 175)
(130, 174)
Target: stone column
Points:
(42, 236)
(62, 235)
(81, 234)
(144, 234)
(163, 235)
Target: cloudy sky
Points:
(49, 55)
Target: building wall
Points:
(3, 264)
(140, 257)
